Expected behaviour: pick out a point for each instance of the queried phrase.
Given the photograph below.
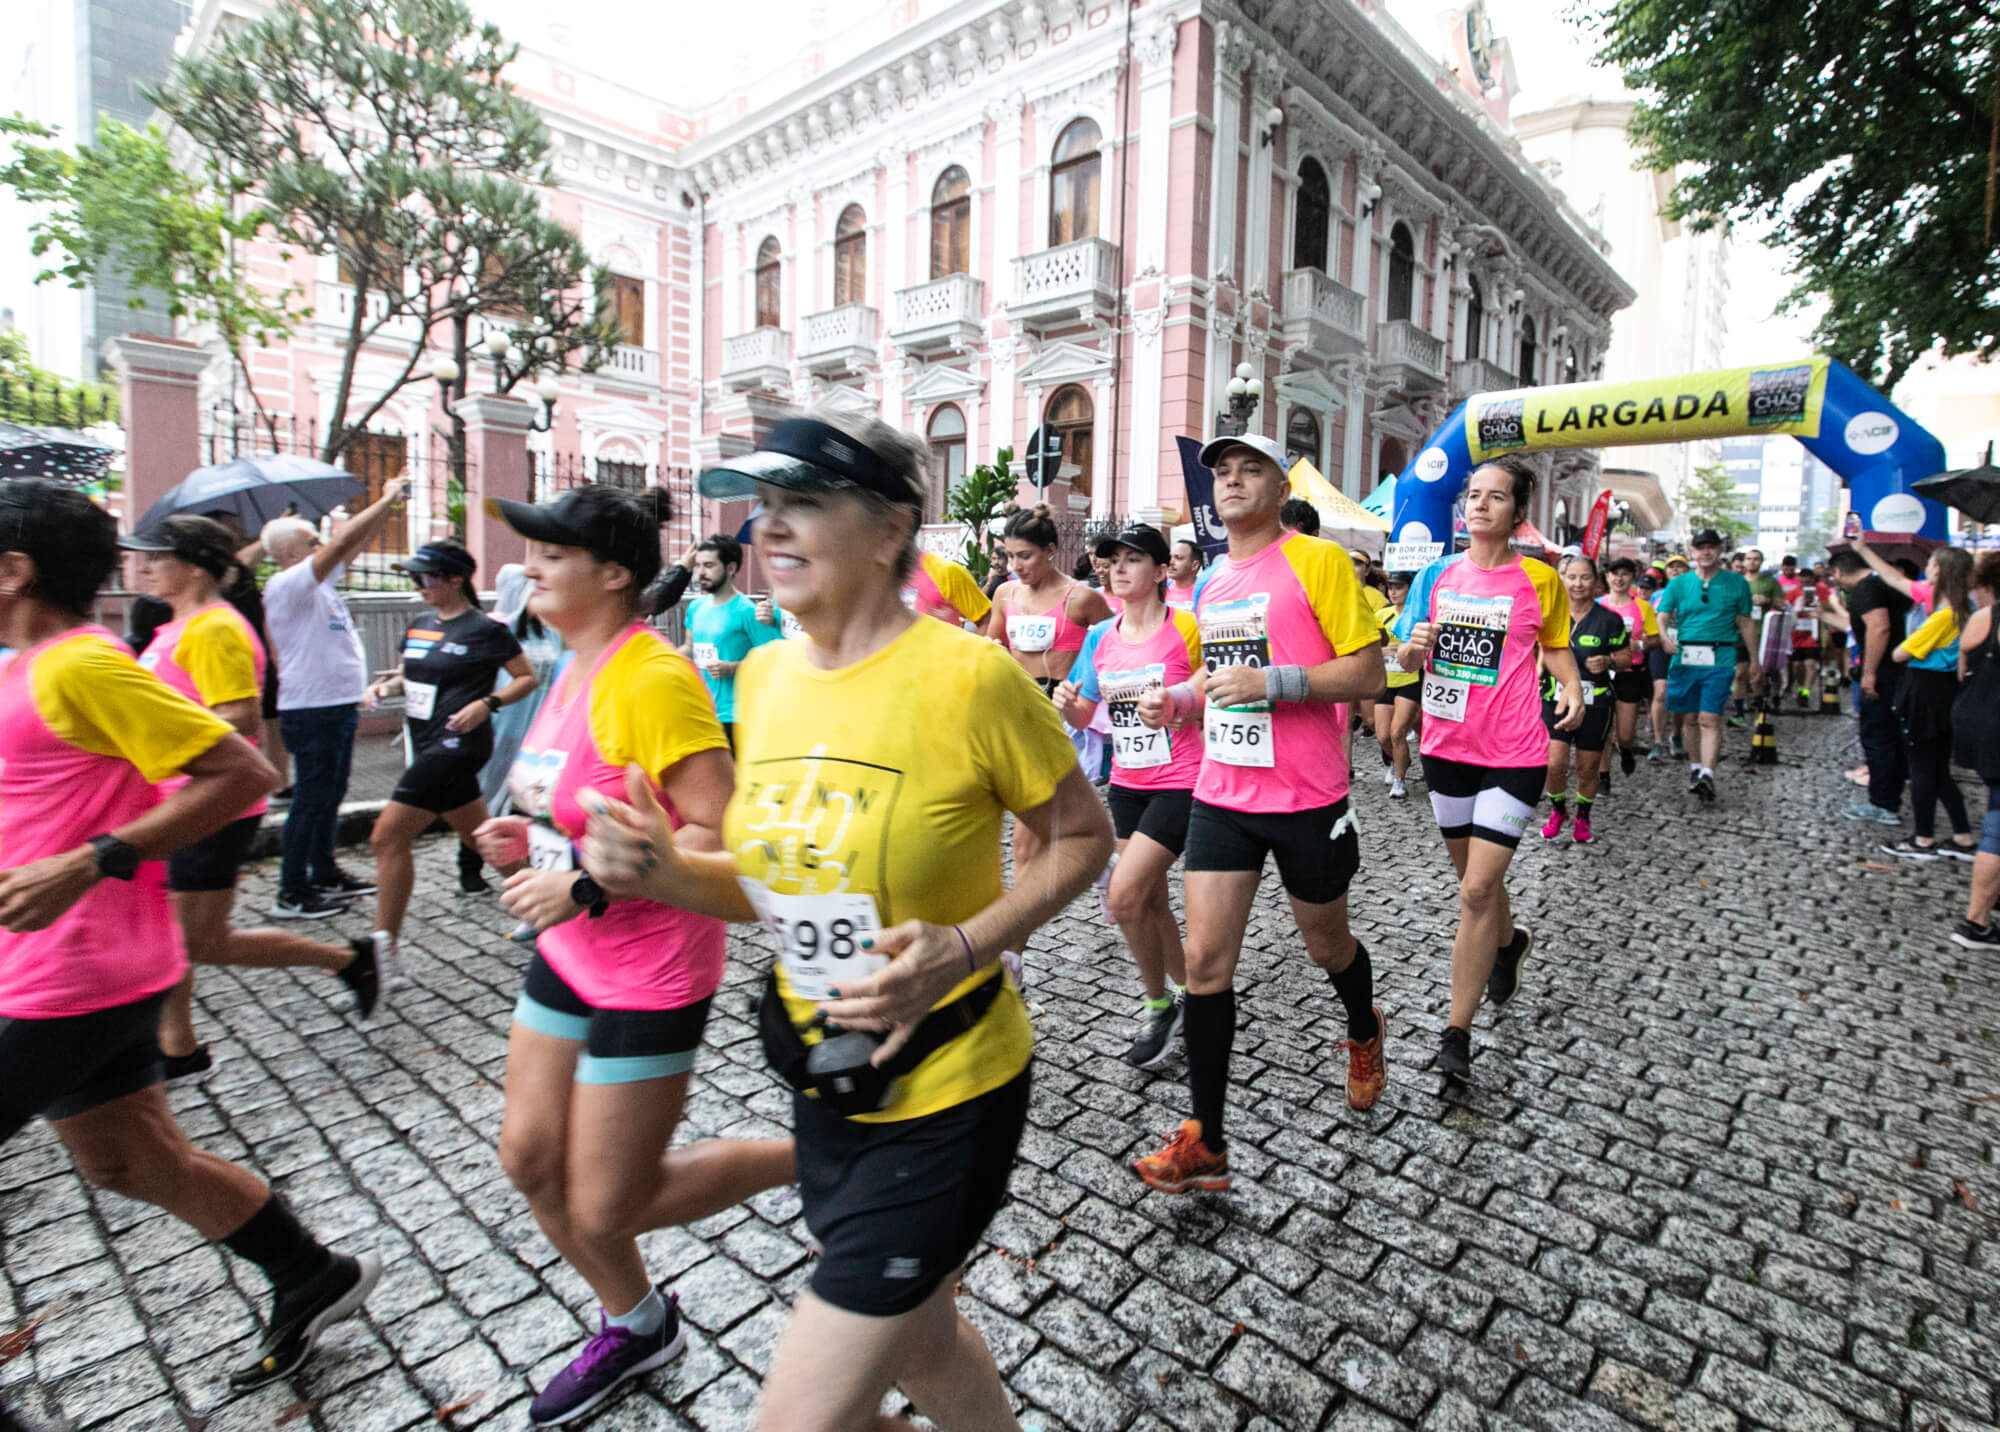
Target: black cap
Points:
(1707, 537)
(806, 455)
(183, 538)
(430, 561)
(1139, 538)
(617, 533)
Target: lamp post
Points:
(450, 372)
(1245, 390)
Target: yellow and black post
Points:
(1764, 738)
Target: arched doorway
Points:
(1072, 415)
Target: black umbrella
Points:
(256, 489)
(52, 452)
(1975, 491)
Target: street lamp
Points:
(497, 342)
(1245, 389)
(548, 389)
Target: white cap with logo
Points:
(1212, 453)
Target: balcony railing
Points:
(333, 312)
(761, 358)
(1328, 317)
(1476, 375)
(631, 365)
(945, 313)
(1413, 356)
(1069, 283)
(839, 340)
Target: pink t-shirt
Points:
(642, 704)
(1296, 603)
(1481, 701)
(1637, 614)
(1143, 759)
(211, 657)
(85, 739)
(1181, 599)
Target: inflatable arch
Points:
(1877, 448)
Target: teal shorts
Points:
(1701, 688)
(621, 1046)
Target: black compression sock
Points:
(279, 1244)
(1209, 1030)
(1561, 803)
(1356, 987)
(1584, 803)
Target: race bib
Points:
(1697, 655)
(549, 848)
(1589, 693)
(419, 700)
(706, 655)
(1134, 747)
(1445, 697)
(531, 781)
(1238, 738)
(1471, 638)
(819, 937)
(789, 625)
(910, 598)
(1026, 633)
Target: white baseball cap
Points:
(1256, 442)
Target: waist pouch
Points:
(837, 1070)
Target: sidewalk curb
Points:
(357, 818)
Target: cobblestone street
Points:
(1728, 1163)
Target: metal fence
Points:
(557, 473)
(434, 508)
(1077, 535)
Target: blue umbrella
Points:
(256, 489)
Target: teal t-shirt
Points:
(1706, 615)
(725, 631)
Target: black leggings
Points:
(1930, 783)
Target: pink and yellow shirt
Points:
(1118, 672)
(211, 657)
(943, 589)
(1480, 696)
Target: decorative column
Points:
(1266, 77)
(159, 400)
(496, 450)
(894, 160)
(1156, 93)
(1007, 178)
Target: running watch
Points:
(587, 894)
(115, 859)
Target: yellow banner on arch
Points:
(1728, 402)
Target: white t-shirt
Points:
(320, 660)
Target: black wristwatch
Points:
(493, 701)
(587, 894)
(115, 859)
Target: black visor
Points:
(806, 455)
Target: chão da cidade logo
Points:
(1503, 424)
(1778, 395)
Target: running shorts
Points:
(1317, 850)
(1594, 731)
(1808, 652)
(621, 1046)
(1483, 802)
(1656, 664)
(1160, 816)
(440, 781)
(1633, 684)
(1408, 691)
(59, 1068)
(214, 861)
(898, 1207)
(1700, 688)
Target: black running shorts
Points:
(1317, 850)
(59, 1068)
(1592, 734)
(440, 781)
(899, 1207)
(213, 862)
(1634, 685)
(1160, 816)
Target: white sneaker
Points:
(1389, 776)
(388, 964)
(1396, 790)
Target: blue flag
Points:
(1209, 533)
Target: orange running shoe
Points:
(1365, 1074)
(1185, 1163)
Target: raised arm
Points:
(358, 533)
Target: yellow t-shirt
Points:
(1939, 629)
(215, 652)
(1385, 617)
(955, 585)
(889, 778)
(1376, 601)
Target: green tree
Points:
(39, 398)
(1860, 130)
(977, 500)
(1712, 499)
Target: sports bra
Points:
(1051, 630)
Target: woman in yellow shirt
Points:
(875, 762)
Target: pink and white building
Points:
(1010, 214)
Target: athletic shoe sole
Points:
(1952, 852)
(370, 1268)
(1209, 1184)
(1967, 942)
(638, 1369)
(1918, 854)
(1166, 1045)
(293, 912)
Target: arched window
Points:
(1074, 419)
(1402, 272)
(951, 223)
(770, 312)
(947, 435)
(1527, 373)
(1315, 213)
(1475, 321)
(1302, 437)
(850, 257)
(1395, 457)
(1074, 167)
(1569, 363)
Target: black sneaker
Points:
(1908, 849)
(1628, 760)
(1694, 779)
(1454, 1057)
(300, 1316)
(186, 1066)
(1155, 1040)
(1505, 980)
(303, 905)
(1976, 937)
(1952, 850)
(363, 975)
(345, 887)
(1604, 783)
(1704, 788)
(471, 873)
